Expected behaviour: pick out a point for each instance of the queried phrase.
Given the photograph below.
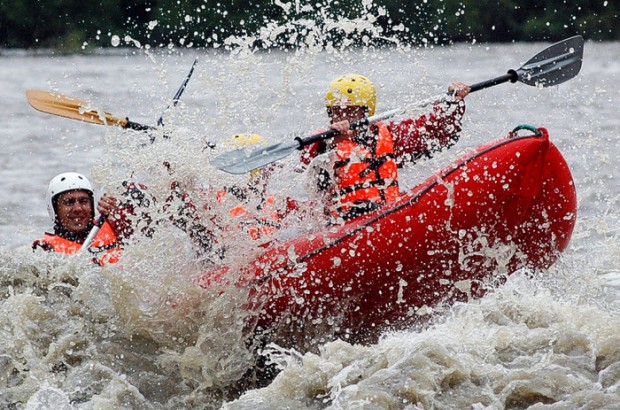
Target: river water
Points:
(75, 336)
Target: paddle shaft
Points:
(512, 76)
(354, 126)
(135, 126)
(179, 93)
(93, 232)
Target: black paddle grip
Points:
(512, 76)
(316, 137)
(137, 127)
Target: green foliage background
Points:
(76, 25)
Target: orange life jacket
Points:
(105, 245)
(264, 221)
(366, 175)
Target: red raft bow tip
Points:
(509, 205)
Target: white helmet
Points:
(67, 181)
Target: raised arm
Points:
(429, 133)
(117, 216)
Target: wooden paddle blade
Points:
(554, 65)
(68, 107)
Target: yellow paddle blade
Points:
(68, 107)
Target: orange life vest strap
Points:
(258, 224)
(105, 245)
(366, 176)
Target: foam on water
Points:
(517, 347)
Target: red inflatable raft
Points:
(509, 205)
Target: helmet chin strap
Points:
(61, 231)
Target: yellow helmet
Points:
(352, 90)
(238, 141)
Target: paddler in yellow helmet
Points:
(246, 207)
(363, 175)
(251, 207)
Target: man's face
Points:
(349, 113)
(74, 210)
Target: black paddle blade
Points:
(554, 65)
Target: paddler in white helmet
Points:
(71, 206)
(363, 174)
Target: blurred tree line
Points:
(74, 25)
